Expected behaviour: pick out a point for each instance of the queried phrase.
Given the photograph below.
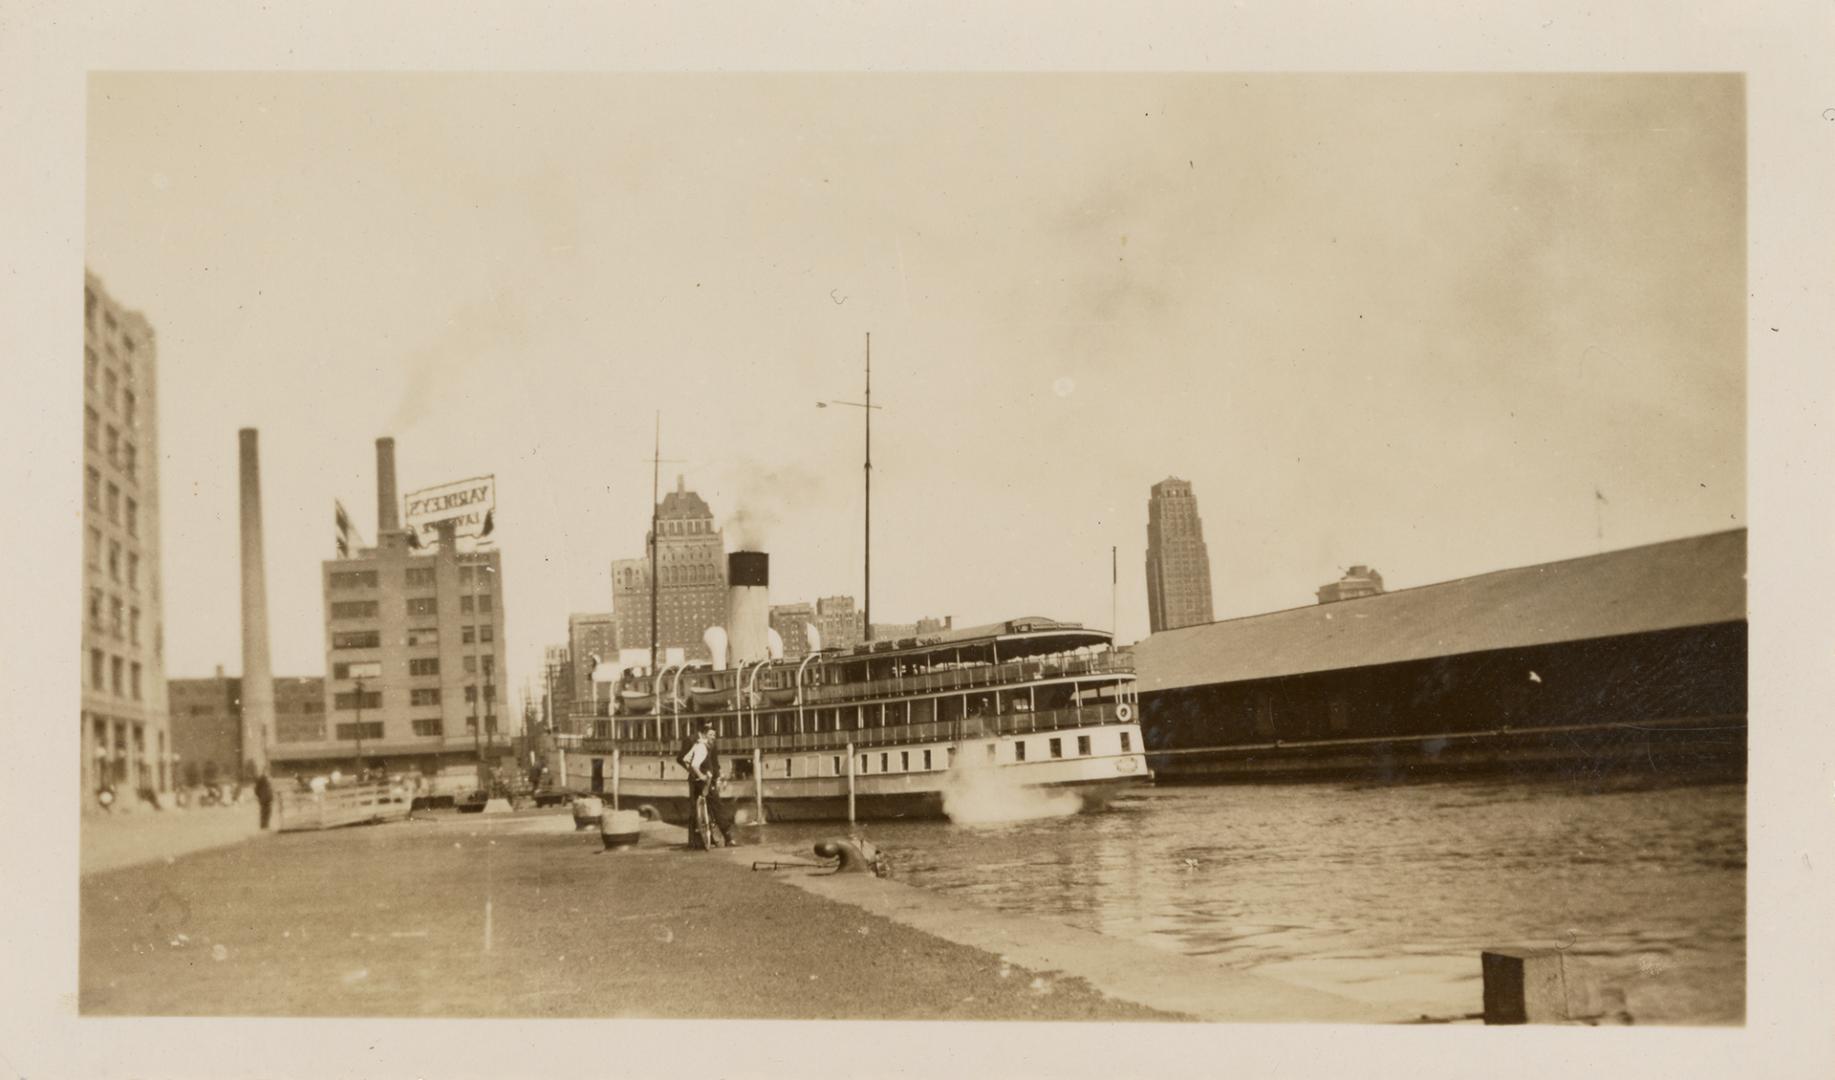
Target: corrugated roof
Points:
(1697, 581)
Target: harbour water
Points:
(1383, 893)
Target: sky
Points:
(1438, 325)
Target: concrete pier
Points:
(522, 915)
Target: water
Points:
(1383, 893)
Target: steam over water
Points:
(975, 793)
(1387, 894)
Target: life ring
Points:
(1124, 712)
(1126, 764)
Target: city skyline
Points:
(1516, 337)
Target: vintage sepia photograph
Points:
(1196, 548)
(921, 540)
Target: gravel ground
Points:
(461, 917)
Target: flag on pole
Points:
(343, 522)
(484, 533)
(1599, 496)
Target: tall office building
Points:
(589, 635)
(126, 740)
(691, 563)
(414, 653)
(557, 686)
(1178, 564)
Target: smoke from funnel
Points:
(715, 639)
(813, 635)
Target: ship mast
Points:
(656, 465)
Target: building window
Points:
(418, 577)
(471, 665)
(347, 699)
(92, 488)
(133, 625)
(95, 610)
(353, 579)
(465, 605)
(114, 504)
(357, 639)
(95, 548)
(114, 560)
(357, 669)
(115, 669)
(429, 726)
(426, 665)
(484, 604)
(348, 732)
(468, 635)
(429, 695)
(89, 367)
(1019, 751)
(354, 609)
(111, 445)
(424, 635)
(489, 664)
(1056, 747)
(487, 633)
(471, 695)
(130, 461)
(95, 669)
(110, 383)
(129, 405)
(133, 518)
(91, 419)
(133, 571)
(423, 605)
(134, 679)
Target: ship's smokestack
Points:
(257, 672)
(387, 514)
(748, 607)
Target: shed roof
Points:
(1697, 581)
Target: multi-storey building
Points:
(557, 685)
(414, 656)
(1178, 564)
(691, 565)
(790, 621)
(839, 622)
(206, 721)
(126, 740)
(1358, 581)
(590, 635)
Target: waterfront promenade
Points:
(520, 916)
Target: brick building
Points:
(206, 722)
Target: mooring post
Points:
(615, 771)
(1544, 986)
(758, 784)
(850, 783)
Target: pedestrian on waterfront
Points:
(264, 794)
(703, 762)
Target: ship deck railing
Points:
(1022, 722)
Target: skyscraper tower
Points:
(1178, 564)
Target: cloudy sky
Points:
(1410, 321)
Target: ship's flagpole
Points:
(656, 469)
(867, 543)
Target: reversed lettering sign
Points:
(465, 503)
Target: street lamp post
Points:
(359, 682)
(867, 407)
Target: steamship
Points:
(908, 728)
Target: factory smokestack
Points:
(387, 516)
(748, 607)
(257, 672)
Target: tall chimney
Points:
(257, 674)
(387, 516)
(748, 607)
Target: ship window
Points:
(991, 749)
(863, 763)
(1083, 745)
(787, 770)
(837, 764)
(926, 761)
(1127, 743)
(952, 757)
(904, 761)
(1057, 748)
(1019, 751)
(885, 763)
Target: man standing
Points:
(703, 762)
(264, 794)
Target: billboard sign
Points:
(466, 503)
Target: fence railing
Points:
(974, 727)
